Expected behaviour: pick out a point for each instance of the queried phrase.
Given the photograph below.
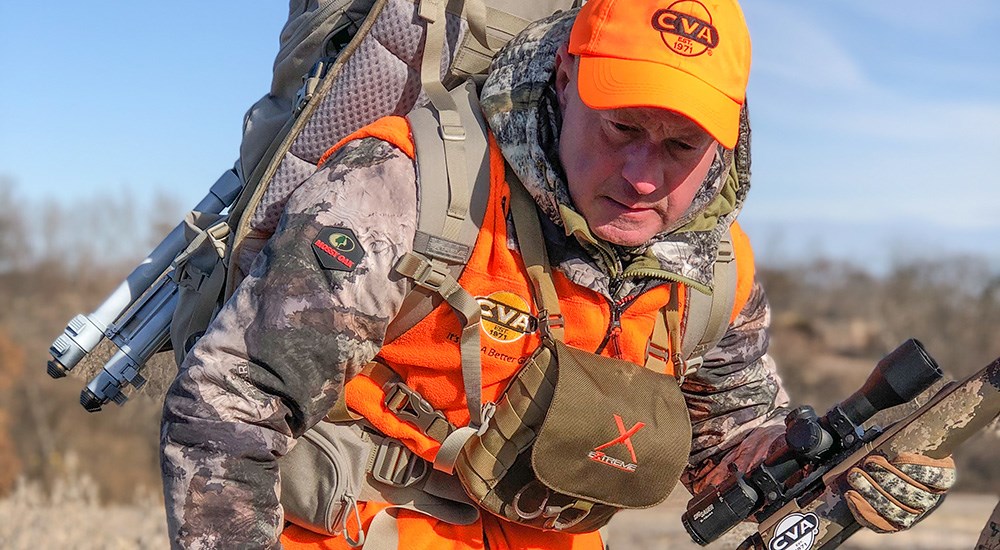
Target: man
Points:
(624, 125)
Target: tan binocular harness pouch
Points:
(576, 436)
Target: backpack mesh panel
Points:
(381, 78)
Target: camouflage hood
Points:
(520, 106)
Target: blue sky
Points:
(876, 124)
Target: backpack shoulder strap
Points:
(453, 180)
(708, 316)
(706, 319)
(446, 232)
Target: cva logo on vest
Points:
(506, 317)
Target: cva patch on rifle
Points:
(795, 532)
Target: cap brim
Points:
(612, 83)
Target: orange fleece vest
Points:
(427, 356)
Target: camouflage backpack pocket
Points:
(322, 477)
(200, 274)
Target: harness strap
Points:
(398, 476)
(657, 349)
(707, 319)
(672, 318)
(707, 316)
(450, 123)
(434, 276)
(700, 339)
(536, 261)
(445, 236)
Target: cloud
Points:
(793, 47)
(860, 116)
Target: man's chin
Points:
(627, 237)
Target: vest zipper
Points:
(617, 307)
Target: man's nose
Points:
(643, 168)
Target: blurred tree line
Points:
(831, 322)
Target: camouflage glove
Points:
(891, 496)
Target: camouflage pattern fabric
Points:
(736, 399)
(891, 496)
(276, 358)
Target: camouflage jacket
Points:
(277, 356)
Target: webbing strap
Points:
(657, 349)
(452, 131)
(383, 531)
(434, 276)
(671, 316)
(536, 261)
(707, 317)
(451, 447)
(476, 15)
(505, 22)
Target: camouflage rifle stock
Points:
(796, 494)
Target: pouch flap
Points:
(615, 433)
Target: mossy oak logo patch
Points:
(505, 316)
(686, 28)
(337, 248)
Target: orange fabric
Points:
(427, 357)
(419, 532)
(391, 129)
(692, 57)
(745, 270)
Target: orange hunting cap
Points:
(689, 56)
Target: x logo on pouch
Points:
(624, 438)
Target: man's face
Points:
(632, 173)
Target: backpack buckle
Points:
(690, 367)
(549, 321)
(657, 352)
(310, 83)
(408, 405)
(396, 465)
(432, 276)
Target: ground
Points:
(68, 519)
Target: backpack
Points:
(327, 52)
(341, 64)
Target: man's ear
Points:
(565, 69)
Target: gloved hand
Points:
(888, 497)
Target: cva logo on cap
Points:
(686, 28)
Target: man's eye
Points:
(624, 128)
(682, 145)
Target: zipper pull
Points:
(616, 346)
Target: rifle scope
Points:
(812, 443)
